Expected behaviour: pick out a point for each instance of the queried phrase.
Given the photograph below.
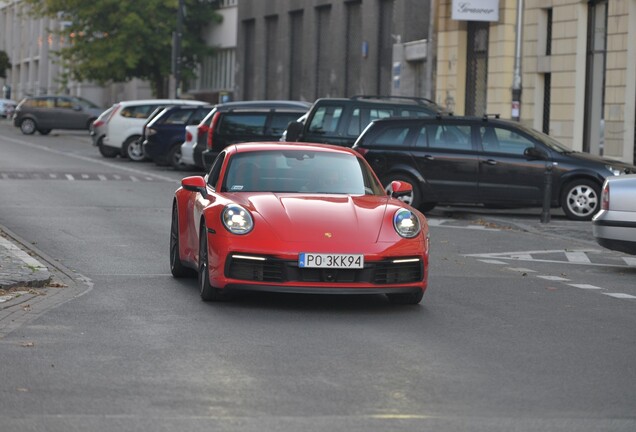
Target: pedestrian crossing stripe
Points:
(77, 176)
(590, 257)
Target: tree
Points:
(4, 64)
(118, 40)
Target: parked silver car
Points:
(615, 225)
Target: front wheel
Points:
(581, 199)
(176, 266)
(28, 126)
(208, 292)
(413, 199)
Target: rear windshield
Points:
(138, 111)
(176, 116)
(242, 124)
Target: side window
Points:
(500, 140)
(215, 171)
(361, 117)
(280, 120)
(178, 116)
(393, 136)
(64, 103)
(450, 137)
(421, 140)
(242, 124)
(326, 119)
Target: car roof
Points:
(384, 100)
(439, 118)
(285, 146)
(267, 104)
(162, 101)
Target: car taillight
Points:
(213, 123)
(98, 123)
(202, 128)
(112, 113)
(361, 150)
(188, 137)
(605, 196)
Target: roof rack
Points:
(487, 116)
(421, 101)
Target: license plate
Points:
(320, 260)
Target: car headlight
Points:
(614, 170)
(237, 220)
(406, 223)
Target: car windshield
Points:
(84, 103)
(545, 139)
(300, 171)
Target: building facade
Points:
(306, 49)
(577, 64)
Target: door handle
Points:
(429, 157)
(489, 162)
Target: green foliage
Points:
(4, 64)
(118, 40)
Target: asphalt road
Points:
(523, 328)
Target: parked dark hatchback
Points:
(462, 160)
(44, 113)
(236, 122)
(165, 132)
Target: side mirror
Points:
(294, 131)
(400, 188)
(195, 184)
(534, 153)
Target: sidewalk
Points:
(19, 272)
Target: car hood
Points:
(627, 168)
(308, 218)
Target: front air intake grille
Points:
(253, 270)
(389, 272)
(274, 270)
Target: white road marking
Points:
(630, 261)
(69, 177)
(102, 177)
(492, 261)
(577, 257)
(586, 286)
(620, 295)
(553, 278)
(521, 269)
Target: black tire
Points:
(107, 152)
(44, 131)
(406, 299)
(176, 266)
(581, 199)
(414, 199)
(89, 125)
(208, 292)
(28, 126)
(133, 149)
(174, 157)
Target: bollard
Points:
(547, 193)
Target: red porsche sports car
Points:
(302, 218)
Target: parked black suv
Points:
(340, 121)
(467, 160)
(235, 122)
(164, 133)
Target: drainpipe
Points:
(516, 80)
(430, 51)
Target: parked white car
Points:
(187, 148)
(7, 107)
(614, 227)
(124, 126)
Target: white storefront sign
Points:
(476, 10)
